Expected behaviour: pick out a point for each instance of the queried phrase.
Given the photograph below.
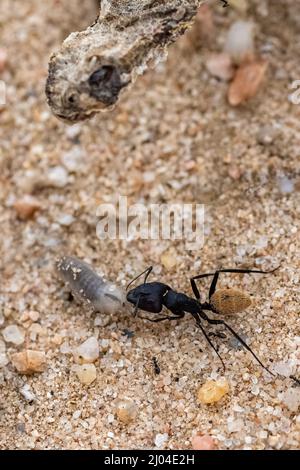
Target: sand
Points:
(173, 138)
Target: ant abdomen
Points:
(230, 301)
(89, 287)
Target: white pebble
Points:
(286, 185)
(73, 131)
(27, 393)
(65, 219)
(73, 159)
(87, 352)
(263, 434)
(65, 348)
(240, 40)
(2, 347)
(57, 177)
(76, 414)
(13, 334)
(291, 398)
(236, 425)
(160, 439)
(255, 390)
(285, 368)
(3, 358)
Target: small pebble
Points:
(13, 334)
(220, 66)
(76, 414)
(34, 315)
(65, 219)
(27, 394)
(73, 132)
(240, 41)
(212, 391)
(160, 440)
(169, 259)
(3, 59)
(236, 425)
(285, 368)
(73, 159)
(3, 358)
(26, 207)
(57, 177)
(234, 172)
(29, 361)
(291, 399)
(267, 134)
(86, 373)
(240, 5)
(87, 352)
(247, 81)
(126, 411)
(286, 185)
(203, 443)
(273, 440)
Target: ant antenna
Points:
(147, 272)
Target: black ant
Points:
(151, 297)
(156, 366)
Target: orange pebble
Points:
(203, 443)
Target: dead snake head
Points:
(83, 80)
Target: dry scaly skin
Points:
(92, 67)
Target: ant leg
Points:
(216, 276)
(212, 286)
(147, 272)
(195, 288)
(163, 318)
(136, 308)
(217, 334)
(198, 322)
(297, 381)
(236, 335)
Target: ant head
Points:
(137, 294)
(147, 297)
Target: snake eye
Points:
(101, 75)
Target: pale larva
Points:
(89, 287)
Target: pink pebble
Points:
(203, 443)
(220, 66)
(3, 59)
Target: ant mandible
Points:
(151, 297)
